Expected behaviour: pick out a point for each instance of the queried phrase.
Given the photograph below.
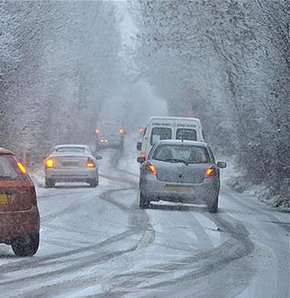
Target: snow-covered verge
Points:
(234, 177)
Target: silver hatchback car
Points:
(180, 171)
(71, 163)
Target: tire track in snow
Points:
(158, 277)
(82, 262)
(238, 246)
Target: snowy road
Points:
(97, 242)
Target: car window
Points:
(173, 153)
(70, 149)
(160, 133)
(186, 134)
(211, 154)
(7, 169)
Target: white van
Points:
(160, 128)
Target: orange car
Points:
(19, 215)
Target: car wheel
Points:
(94, 183)
(212, 206)
(25, 246)
(144, 202)
(49, 183)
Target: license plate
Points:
(69, 163)
(3, 199)
(178, 189)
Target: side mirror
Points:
(98, 157)
(221, 164)
(140, 159)
(138, 146)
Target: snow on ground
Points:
(96, 241)
(128, 162)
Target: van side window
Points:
(186, 134)
(160, 133)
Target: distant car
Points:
(71, 163)
(19, 215)
(180, 171)
(110, 134)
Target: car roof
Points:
(71, 145)
(5, 151)
(179, 142)
(173, 118)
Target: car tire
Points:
(212, 206)
(49, 183)
(144, 202)
(25, 246)
(94, 183)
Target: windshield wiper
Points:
(176, 160)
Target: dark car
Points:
(19, 215)
(180, 171)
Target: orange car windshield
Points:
(7, 168)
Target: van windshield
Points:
(160, 133)
(186, 134)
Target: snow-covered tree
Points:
(60, 67)
(226, 62)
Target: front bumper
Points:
(18, 223)
(198, 193)
(71, 175)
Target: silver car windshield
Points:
(70, 150)
(181, 153)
